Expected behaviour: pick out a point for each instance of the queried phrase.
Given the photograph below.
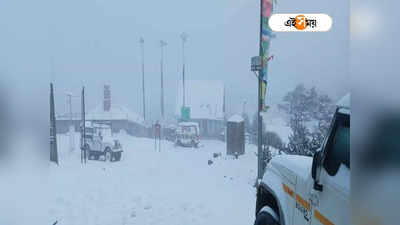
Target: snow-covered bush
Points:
(271, 138)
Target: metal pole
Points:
(162, 44)
(183, 73)
(143, 90)
(70, 108)
(83, 128)
(71, 135)
(53, 130)
(84, 121)
(259, 118)
(52, 70)
(184, 38)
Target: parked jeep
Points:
(99, 146)
(188, 134)
(300, 190)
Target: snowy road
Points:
(174, 186)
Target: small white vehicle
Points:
(188, 134)
(99, 143)
(300, 190)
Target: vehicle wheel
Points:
(118, 156)
(264, 218)
(108, 155)
(91, 156)
(112, 157)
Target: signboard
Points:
(256, 64)
(185, 113)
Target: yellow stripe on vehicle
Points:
(288, 190)
(322, 218)
(302, 202)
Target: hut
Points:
(235, 138)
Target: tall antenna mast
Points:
(184, 37)
(141, 41)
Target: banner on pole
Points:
(266, 34)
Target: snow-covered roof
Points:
(188, 124)
(236, 118)
(116, 112)
(204, 97)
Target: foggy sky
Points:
(93, 43)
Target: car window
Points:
(89, 130)
(189, 129)
(338, 145)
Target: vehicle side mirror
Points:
(316, 164)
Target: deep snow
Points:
(173, 186)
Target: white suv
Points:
(96, 145)
(188, 134)
(298, 190)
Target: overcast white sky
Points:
(95, 42)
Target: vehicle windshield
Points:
(188, 129)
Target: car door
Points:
(302, 211)
(331, 205)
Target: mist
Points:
(92, 43)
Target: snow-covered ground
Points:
(173, 186)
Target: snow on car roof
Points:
(344, 111)
(188, 124)
(344, 104)
(236, 118)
